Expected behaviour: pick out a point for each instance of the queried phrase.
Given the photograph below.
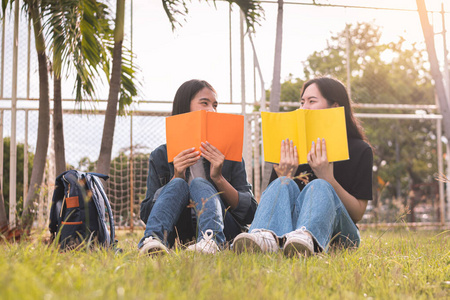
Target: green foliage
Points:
(393, 265)
(81, 33)
(290, 92)
(19, 174)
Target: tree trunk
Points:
(58, 128)
(434, 64)
(44, 120)
(104, 160)
(276, 82)
(3, 218)
(58, 133)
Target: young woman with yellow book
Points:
(306, 208)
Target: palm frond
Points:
(252, 9)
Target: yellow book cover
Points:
(303, 126)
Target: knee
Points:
(320, 184)
(179, 182)
(283, 182)
(319, 187)
(198, 183)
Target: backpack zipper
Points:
(64, 199)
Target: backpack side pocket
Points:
(72, 227)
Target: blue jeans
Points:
(283, 208)
(174, 198)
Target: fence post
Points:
(13, 148)
(440, 170)
(131, 176)
(25, 160)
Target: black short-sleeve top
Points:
(354, 174)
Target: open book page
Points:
(183, 131)
(328, 124)
(226, 133)
(277, 127)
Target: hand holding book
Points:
(318, 160)
(288, 159)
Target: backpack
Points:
(78, 210)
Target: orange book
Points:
(223, 131)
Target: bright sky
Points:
(201, 48)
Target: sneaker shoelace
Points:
(207, 236)
(207, 242)
(266, 241)
(148, 239)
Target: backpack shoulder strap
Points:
(94, 184)
(58, 196)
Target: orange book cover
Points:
(223, 131)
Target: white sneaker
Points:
(259, 240)
(298, 242)
(152, 246)
(206, 245)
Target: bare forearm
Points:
(228, 192)
(355, 207)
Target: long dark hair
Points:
(334, 92)
(185, 93)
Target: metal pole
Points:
(262, 107)
(28, 60)
(242, 63)
(25, 159)
(3, 58)
(246, 148)
(13, 149)
(257, 185)
(231, 55)
(448, 183)
(440, 170)
(444, 39)
(349, 87)
(131, 176)
(447, 89)
(1, 159)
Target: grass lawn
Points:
(394, 264)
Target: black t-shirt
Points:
(354, 175)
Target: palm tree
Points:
(104, 159)
(78, 32)
(44, 114)
(275, 92)
(173, 8)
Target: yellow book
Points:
(303, 126)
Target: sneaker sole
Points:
(154, 252)
(246, 245)
(296, 249)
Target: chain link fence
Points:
(382, 70)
